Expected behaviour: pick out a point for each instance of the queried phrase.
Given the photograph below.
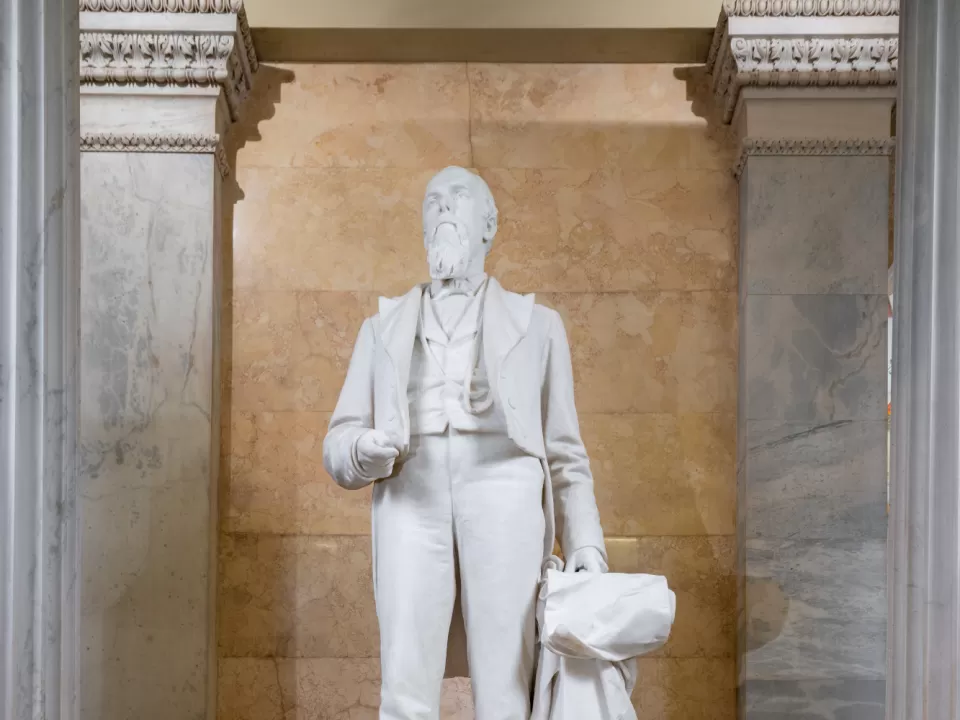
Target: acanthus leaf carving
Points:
(165, 58)
(825, 55)
(183, 6)
(801, 62)
(781, 51)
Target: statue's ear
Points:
(490, 229)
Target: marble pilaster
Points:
(39, 344)
(925, 465)
(810, 88)
(161, 84)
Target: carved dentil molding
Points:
(863, 51)
(812, 146)
(128, 55)
(157, 143)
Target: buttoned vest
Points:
(442, 369)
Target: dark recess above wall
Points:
(640, 45)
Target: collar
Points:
(506, 316)
(466, 327)
(457, 286)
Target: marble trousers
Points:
(469, 503)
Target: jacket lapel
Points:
(398, 329)
(506, 317)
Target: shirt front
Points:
(441, 360)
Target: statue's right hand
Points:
(376, 453)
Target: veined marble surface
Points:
(816, 480)
(815, 226)
(147, 399)
(815, 358)
(39, 349)
(816, 609)
(811, 437)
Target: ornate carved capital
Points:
(169, 43)
(812, 43)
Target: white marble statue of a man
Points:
(458, 405)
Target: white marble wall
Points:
(39, 292)
(149, 319)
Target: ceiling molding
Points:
(168, 44)
(802, 43)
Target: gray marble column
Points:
(809, 87)
(925, 455)
(39, 301)
(813, 376)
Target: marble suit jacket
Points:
(527, 360)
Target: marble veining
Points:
(590, 116)
(815, 358)
(816, 481)
(844, 697)
(680, 346)
(296, 596)
(815, 608)
(39, 353)
(811, 457)
(814, 225)
(146, 439)
(317, 689)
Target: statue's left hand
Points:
(586, 559)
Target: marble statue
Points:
(458, 405)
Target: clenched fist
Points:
(376, 453)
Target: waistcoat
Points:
(439, 369)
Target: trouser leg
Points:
(499, 525)
(414, 581)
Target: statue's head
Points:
(459, 223)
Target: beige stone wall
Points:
(618, 208)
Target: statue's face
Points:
(456, 228)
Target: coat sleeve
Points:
(575, 507)
(353, 415)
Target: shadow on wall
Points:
(260, 107)
(762, 604)
(703, 103)
(582, 226)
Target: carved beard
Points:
(448, 252)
